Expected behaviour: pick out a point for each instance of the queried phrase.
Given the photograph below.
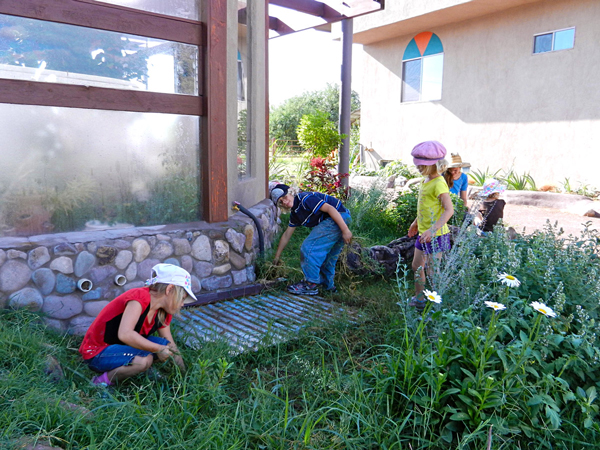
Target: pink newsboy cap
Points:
(428, 153)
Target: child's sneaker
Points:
(304, 288)
(101, 380)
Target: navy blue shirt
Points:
(306, 210)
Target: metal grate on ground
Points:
(248, 323)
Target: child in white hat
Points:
(492, 207)
(119, 344)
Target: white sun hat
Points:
(171, 274)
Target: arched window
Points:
(422, 68)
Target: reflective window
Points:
(244, 155)
(67, 169)
(58, 53)
(554, 41)
(543, 43)
(186, 9)
(422, 68)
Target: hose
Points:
(261, 237)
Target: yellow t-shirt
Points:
(429, 207)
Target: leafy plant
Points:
(323, 177)
(520, 182)
(406, 208)
(319, 135)
(278, 169)
(285, 118)
(480, 176)
(582, 189)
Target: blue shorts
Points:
(118, 355)
(437, 244)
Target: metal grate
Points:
(251, 322)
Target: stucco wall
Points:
(502, 106)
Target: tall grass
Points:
(394, 380)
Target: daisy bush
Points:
(511, 355)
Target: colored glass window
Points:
(422, 68)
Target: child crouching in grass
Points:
(329, 219)
(434, 209)
(491, 208)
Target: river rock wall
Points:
(70, 277)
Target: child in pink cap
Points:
(434, 209)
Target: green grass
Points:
(390, 381)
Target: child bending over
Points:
(329, 219)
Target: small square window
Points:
(543, 43)
(564, 39)
(554, 41)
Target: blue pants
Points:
(320, 251)
(118, 355)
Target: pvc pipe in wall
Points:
(85, 285)
(120, 280)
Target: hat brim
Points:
(190, 293)
(425, 162)
(460, 165)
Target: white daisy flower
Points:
(495, 306)
(432, 296)
(545, 310)
(509, 280)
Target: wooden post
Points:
(213, 161)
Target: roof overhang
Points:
(289, 16)
(397, 21)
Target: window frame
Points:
(115, 18)
(210, 36)
(420, 80)
(553, 33)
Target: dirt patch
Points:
(534, 218)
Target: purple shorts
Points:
(437, 244)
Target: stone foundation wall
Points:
(44, 273)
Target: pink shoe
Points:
(101, 380)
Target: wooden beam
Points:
(213, 164)
(24, 92)
(107, 17)
(275, 24)
(310, 7)
(280, 27)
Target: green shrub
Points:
(318, 134)
(532, 379)
(374, 218)
(406, 208)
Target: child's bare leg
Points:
(429, 263)
(418, 267)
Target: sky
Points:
(306, 61)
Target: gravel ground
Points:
(533, 218)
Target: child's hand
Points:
(426, 236)
(347, 236)
(413, 230)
